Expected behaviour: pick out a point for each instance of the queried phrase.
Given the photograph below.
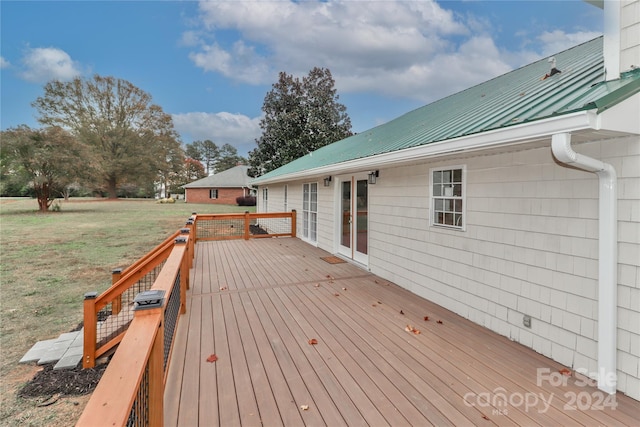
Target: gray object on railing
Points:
(153, 298)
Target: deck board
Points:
(256, 304)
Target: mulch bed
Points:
(67, 382)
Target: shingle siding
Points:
(531, 247)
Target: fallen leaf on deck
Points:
(440, 322)
(485, 417)
(329, 277)
(304, 407)
(336, 294)
(374, 305)
(426, 318)
(223, 288)
(566, 372)
(317, 285)
(344, 289)
(313, 341)
(212, 358)
(401, 312)
(410, 328)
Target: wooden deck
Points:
(257, 304)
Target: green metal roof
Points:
(517, 97)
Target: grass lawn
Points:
(49, 261)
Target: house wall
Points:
(226, 196)
(629, 34)
(530, 247)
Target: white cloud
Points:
(42, 64)
(221, 128)
(557, 41)
(372, 40)
(4, 63)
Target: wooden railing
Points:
(131, 389)
(244, 225)
(107, 317)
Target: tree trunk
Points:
(112, 187)
(42, 194)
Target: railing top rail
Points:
(111, 401)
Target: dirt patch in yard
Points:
(65, 382)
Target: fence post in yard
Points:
(293, 222)
(116, 304)
(246, 225)
(90, 332)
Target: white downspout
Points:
(607, 254)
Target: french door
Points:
(353, 218)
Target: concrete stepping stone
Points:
(66, 351)
(37, 351)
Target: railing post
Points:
(184, 274)
(90, 330)
(116, 304)
(156, 379)
(192, 241)
(294, 214)
(194, 229)
(149, 303)
(247, 221)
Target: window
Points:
(213, 193)
(447, 197)
(286, 205)
(265, 200)
(310, 211)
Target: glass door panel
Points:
(345, 210)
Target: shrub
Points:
(246, 201)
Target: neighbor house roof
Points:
(231, 178)
(519, 97)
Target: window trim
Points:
(306, 231)
(462, 197)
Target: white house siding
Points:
(629, 34)
(530, 247)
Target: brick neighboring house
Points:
(221, 188)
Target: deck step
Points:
(65, 351)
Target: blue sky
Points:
(210, 64)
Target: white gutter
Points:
(511, 135)
(607, 255)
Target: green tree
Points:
(128, 133)
(300, 117)
(51, 158)
(228, 158)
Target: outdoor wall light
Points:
(373, 175)
(327, 181)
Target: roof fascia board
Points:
(512, 135)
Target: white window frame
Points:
(447, 195)
(286, 201)
(265, 199)
(213, 193)
(309, 215)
